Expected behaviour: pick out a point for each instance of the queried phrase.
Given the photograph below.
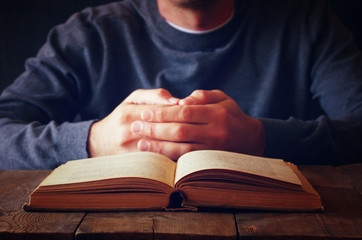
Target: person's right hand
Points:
(112, 135)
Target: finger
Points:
(199, 114)
(128, 113)
(151, 97)
(199, 97)
(170, 149)
(174, 132)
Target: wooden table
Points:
(339, 187)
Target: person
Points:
(279, 79)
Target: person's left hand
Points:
(204, 120)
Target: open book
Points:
(144, 180)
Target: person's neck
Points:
(211, 14)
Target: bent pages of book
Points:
(150, 181)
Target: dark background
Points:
(24, 25)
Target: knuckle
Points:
(184, 113)
(179, 133)
(201, 94)
(148, 130)
(158, 147)
(123, 117)
(161, 92)
(137, 91)
(219, 92)
(159, 115)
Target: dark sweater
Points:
(289, 63)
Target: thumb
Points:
(158, 96)
(200, 97)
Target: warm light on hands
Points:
(203, 120)
(113, 134)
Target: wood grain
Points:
(324, 176)
(341, 200)
(279, 226)
(15, 223)
(16, 187)
(124, 225)
(341, 217)
(353, 174)
(343, 212)
(158, 225)
(194, 225)
(26, 225)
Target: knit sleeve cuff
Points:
(73, 140)
(286, 138)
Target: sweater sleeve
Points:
(40, 121)
(321, 141)
(335, 137)
(41, 146)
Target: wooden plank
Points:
(343, 212)
(16, 187)
(324, 176)
(158, 225)
(353, 174)
(342, 202)
(279, 226)
(15, 223)
(123, 225)
(37, 226)
(341, 219)
(194, 225)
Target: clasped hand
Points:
(154, 120)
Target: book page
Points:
(209, 159)
(138, 164)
